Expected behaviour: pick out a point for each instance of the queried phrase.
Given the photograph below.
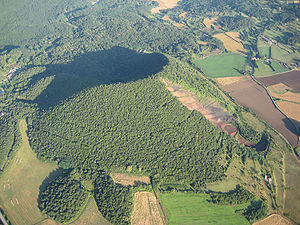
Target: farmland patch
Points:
(274, 219)
(208, 22)
(251, 95)
(230, 80)
(188, 208)
(231, 42)
(225, 65)
(146, 210)
(21, 182)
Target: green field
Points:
(224, 186)
(264, 51)
(21, 182)
(263, 69)
(225, 65)
(188, 209)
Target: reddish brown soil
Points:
(291, 79)
(251, 95)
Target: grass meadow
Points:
(225, 65)
(263, 69)
(19, 185)
(189, 208)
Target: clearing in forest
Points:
(191, 208)
(211, 110)
(164, 4)
(167, 18)
(274, 219)
(146, 210)
(231, 42)
(209, 21)
(21, 182)
(129, 180)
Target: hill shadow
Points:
(290, 124)
(115, 65)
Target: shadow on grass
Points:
(116, 65)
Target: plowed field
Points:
(251, 95)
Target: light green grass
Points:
(189, 208)
(265, 70)
(225, 65)
(284, 56)
(223, 186)
(264, 51)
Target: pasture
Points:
(146, 210)
(231, 42)
(190, 208)
(20, 184)
(225, 65)
(223, 186)
(265, 69)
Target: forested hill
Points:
(135, 124)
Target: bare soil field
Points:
(211, 111)
(230, 80)
(290, 79)
(167, 18)
(233, 43)
(274, 219)
(164, 4)
(249, 94)
(202, 42)
(288, 96)
(129, 180)
(146, 210)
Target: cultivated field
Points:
(292, 110)
(21, 182)
(146, 210)
(225, 65)
(274, 219)
(230, 80)
(290, 79)
(164, 4)
(128, 179)
(188, 208)
(251, 95)
(231, 42)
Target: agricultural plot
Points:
(251, 95)
(274, 219)
(231, 42)
(230, 80)
(21, 182)
(225, 65)
(290, 79)
(167, 18)
(164, 4)
(146, 210)
(292, 110)
(188, 208)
